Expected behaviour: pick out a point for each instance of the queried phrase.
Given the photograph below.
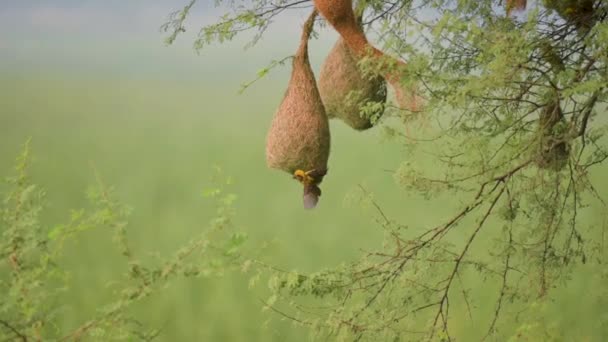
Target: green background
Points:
(155, 120)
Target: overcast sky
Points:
(124, 36)
(100, 17)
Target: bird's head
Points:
(310, 180)
(303, 177)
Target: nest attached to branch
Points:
(345, 89)
(299, 135)
(554, 149)
(340, 15)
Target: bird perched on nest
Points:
(310, 180)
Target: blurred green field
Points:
(157, 141)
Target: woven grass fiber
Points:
(340, 77)
(340, 15)
(554, 150)
(299, 135)
(516, 5)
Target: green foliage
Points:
(515, 104)
(518, 230)
(264, 71)
(32, 276)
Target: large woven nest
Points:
(299, 133)
(340, 15)
(554, 149)
(345, 89)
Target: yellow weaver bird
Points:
(310, 179)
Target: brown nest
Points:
(299, 133)
(345, 89)
(515, 5)
(340, 15)
(554, 149)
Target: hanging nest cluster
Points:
(299, 137)
(298, 141)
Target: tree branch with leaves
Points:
(517, 102)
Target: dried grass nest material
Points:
(345, 89)
(583, 14)
(340, 15)
(554, 150)
(299, 135)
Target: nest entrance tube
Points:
(299, 137)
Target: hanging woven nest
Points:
(345, 89)
(580, 13)
(299, 137)
(554, 149)
(340, 15)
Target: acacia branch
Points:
(18, 334)
(503, 288)
(444, 299)
(589, 106)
